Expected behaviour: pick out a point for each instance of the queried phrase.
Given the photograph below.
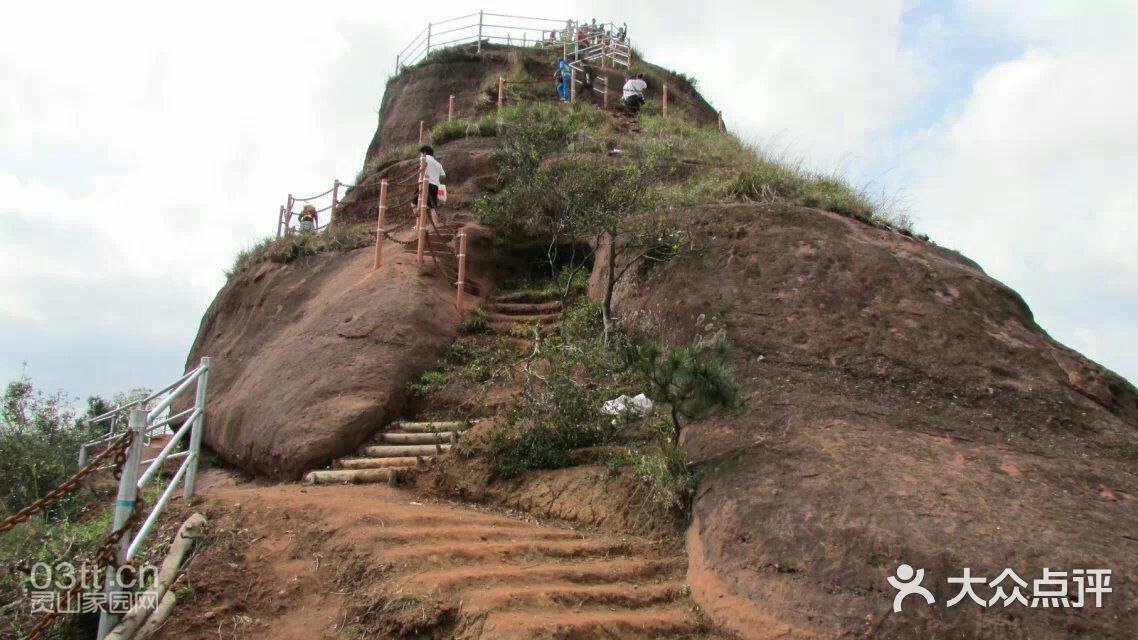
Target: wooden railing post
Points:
(288, 213)
(379, 224)
(606, 98)
(280, 223)
(573, 85)
(421, 123)
(422, 224)
(479, 32)
(461, 284)
(665, 109)
(721, 128)
(450, 108)
(501, 91)
(335, 200)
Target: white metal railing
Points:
(583, 41)
(143, 422)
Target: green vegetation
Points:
(39, 442)
(336, 238)
(558, 410)
(426, 382)
(690, 380)
(474, 322)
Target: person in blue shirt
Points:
(563, 75)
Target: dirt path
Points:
(292, 561)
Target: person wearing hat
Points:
(307, 219)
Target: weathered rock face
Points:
(902, 407)
(311, 357)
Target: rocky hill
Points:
(900, 406)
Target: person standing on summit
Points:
(435, 174)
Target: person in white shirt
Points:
(435, 175)
(633, 96)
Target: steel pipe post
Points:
(196, 431)
(124, 507)
(573, 85)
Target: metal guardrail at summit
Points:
(574, 37)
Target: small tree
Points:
(692, 382)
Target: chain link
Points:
(105, 556)
(117, 448)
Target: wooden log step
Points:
(432, 427)
(350, 476)
(439, 437)
(382, 463)
(543, 318)
(395, 451)
(524, 308)
(519, 328)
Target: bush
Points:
(691, 381)
(39, 445)
(426, 382)
(474, 322)
(668, 476)
(334, 239)
(559, 409)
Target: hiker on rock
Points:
(633, 97)
(435, 174)
(307, 219)
(563, 75)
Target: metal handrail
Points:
(130, 483)
(424, 43)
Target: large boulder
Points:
(901, 407)
(311, 357)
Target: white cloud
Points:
(142, 144)
(1036, 176)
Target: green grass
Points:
(337, 238)
(700, 164)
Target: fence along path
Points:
(583, 45)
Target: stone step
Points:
(524, 308)
(511, 328)
(525, 296)
(351, 476)
(382, 463)
(399, 451)
(438, 437)
(543, 318)
(432, 427)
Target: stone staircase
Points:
(396, 451)
(513, 313)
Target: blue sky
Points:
(141, 146)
